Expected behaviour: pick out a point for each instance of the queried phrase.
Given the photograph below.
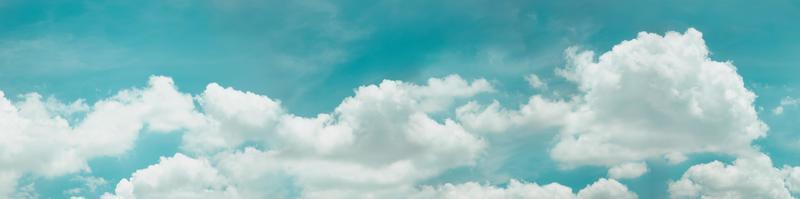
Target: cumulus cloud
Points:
(175, 177)
(383, 135)
(377, 142)
(791, 178)
(653, 87)
(602, 189)
(231, 117)
(539, 113)
(38, 138)
(628, 170)
(747, 177)
(380, 138)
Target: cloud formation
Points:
(653, 87)
(388, 137)
(381, 140)
(747, 177)
(39, 139)
(175, 177)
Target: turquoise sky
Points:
(312, 54)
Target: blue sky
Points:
(311, 55)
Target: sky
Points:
(399, 99)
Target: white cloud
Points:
(539, 113)
(785, 102)
(377, 142)
(653, 87)
(38, 138)
(382, 135)
(231, 118)
(175, 177)
(792, 178)
(115, 122)
(602, 189)
(662, 88)
(747, 177)
(627, 170)
(380, 138)
(8, 182)
(535, 82)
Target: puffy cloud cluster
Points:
(378, 141)
(662, 88)
(650, 97)
(39, 137)
(175, 177)
(602, 189)
(539, 113)
(747, 177)
(231, 117)
(383, 136)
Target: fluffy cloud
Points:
(653, 87)
(747, 177)
(377, 142)
(231, 117)
(792, 178)
(380, 138)
(538, 113)
(39, 138)
(602, 189)
(175, 177)
(629, 170)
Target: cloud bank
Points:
(650, 97)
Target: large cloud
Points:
(381, 138)
(379, 141)
(39, 138)
(663, 88)
(650, 97)
(748, 177)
